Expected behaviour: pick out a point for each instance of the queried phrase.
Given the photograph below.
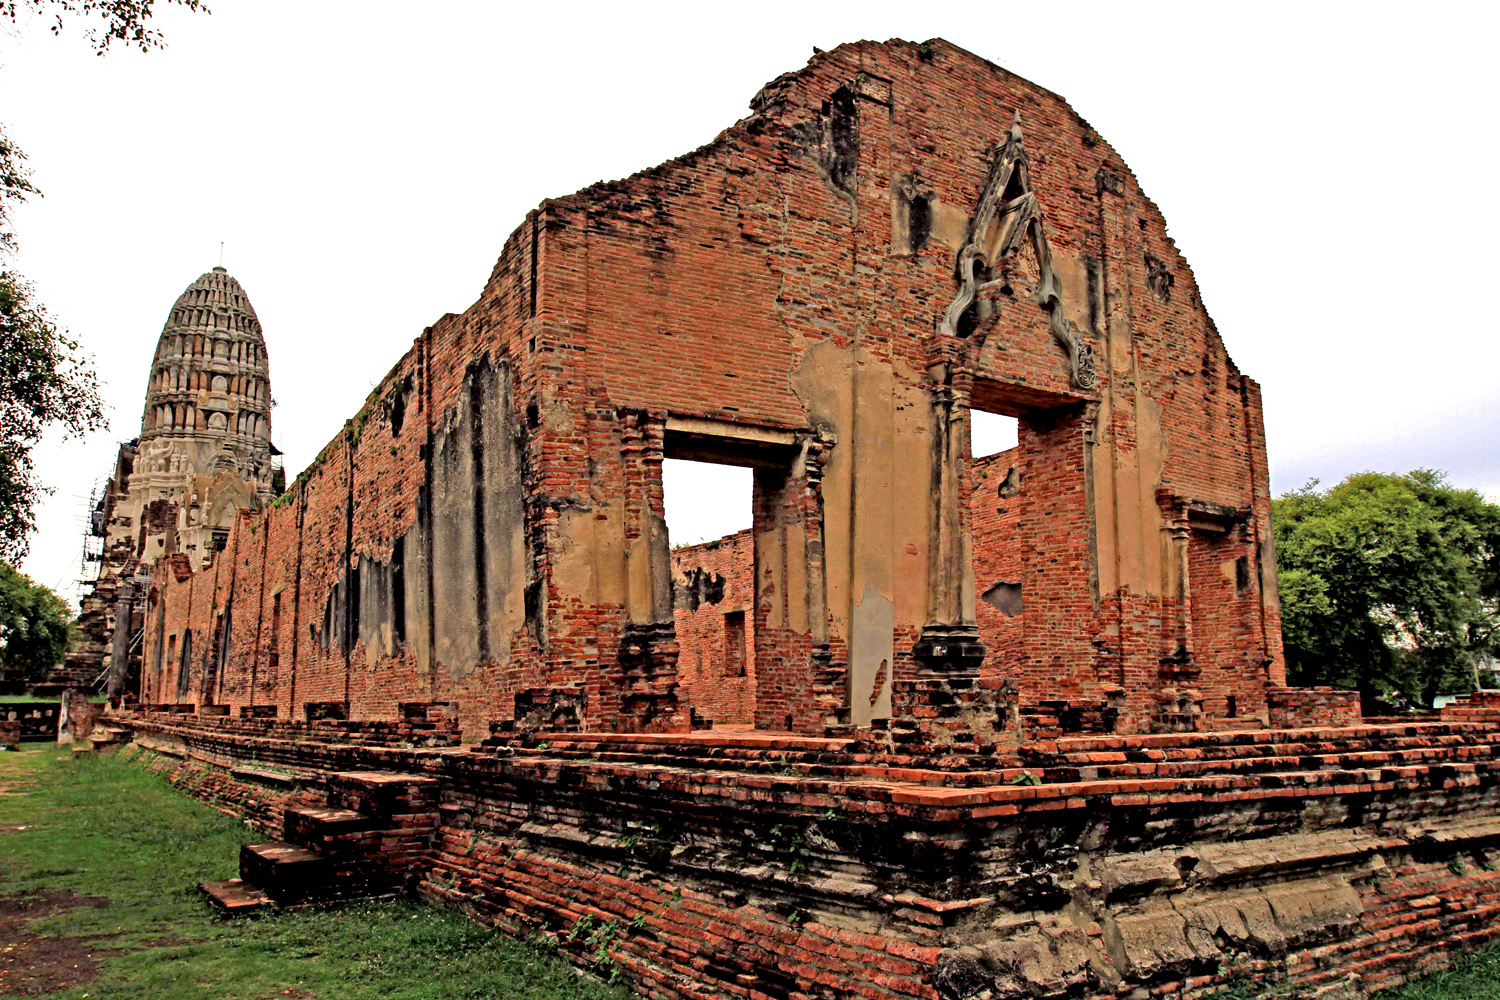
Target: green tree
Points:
(35, 626)
(1389, 584)
(45, 379)
(124, 21)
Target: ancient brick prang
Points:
(208, 401)
(203, 455)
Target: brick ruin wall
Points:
(723, 570)
(822, 294)
(490, 524)
(1291, 708)
(713, 589)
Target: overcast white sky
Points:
(1327, 169)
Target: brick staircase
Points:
(107, 736)
(368, 840)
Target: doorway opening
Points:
(709, 521)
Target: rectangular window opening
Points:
(734, 644)
(273, 658)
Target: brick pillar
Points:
(797, 684)
(945, 703)
(830, 680)
(1179, 703)
(949, 644)
(648, 646)
(119, 653)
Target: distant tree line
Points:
(1390, 584)
(35, 627)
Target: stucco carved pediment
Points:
(1007, 252)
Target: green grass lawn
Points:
(31, 699)
(102, 827)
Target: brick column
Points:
(830, 680)
(1179, 703)
(949, 644)
(648, 645)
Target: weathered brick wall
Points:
(994, 509)
(714, 586)
(780, 295)
(36, 720)
(1318, 706)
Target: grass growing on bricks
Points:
(131, 850)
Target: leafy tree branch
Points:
(123, 21)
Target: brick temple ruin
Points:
(934, 726)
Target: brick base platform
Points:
(762, 866)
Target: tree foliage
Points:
(1389, 584)
(45, 379)
(35, 626)
(123, 21)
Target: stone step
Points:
(381, 793)
(1439, 743)
(285, 872)
(379, 781)
(1172, 741)
(234, 897)
(309, 826)
(1283, 747)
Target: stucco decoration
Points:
(1007, 223)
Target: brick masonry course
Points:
(740, 865)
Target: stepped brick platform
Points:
(759, 866)
(333, 852)
(438, 731)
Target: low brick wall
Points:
(1299, 708)
(38, 720)
(419, 731)
(761, 867)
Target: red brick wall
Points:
(1319, 706)
(730, 284)
(713, 581)
(998, 560)
(1224, 621)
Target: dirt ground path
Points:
(34, 964)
